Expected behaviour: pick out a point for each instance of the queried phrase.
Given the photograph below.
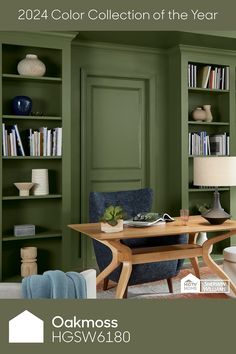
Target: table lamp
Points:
(217, 171)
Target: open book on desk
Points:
(148, 219)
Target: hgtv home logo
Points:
(190, 284)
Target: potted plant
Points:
(112, 219)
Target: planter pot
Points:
(105, 227)
(31, 66)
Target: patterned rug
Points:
(159, 289)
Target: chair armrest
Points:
(11, 291)
(90, 277)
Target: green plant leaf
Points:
(112, 214)
(118, 210)
(107, 215)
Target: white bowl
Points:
(24, 188)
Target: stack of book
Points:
(45, 142)
(208, 76)
(40, 142)
(202, 144)
(11, 141)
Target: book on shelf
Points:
(45, 142)
(203, 76)
(19, 142)
(39, 142)
(148, 219)
(11, 141)
(202, 144)
(219, 144)
(208, 76)
(192, 75)
(4, 141)
(227, 78)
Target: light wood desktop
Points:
(127, 256)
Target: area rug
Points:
(159, 289)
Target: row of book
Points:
(208, 76)
(39, 142)
(202, 144)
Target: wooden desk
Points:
(127, 256)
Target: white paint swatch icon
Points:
(26, 328)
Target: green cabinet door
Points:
(114, 133)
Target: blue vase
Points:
(21, 105)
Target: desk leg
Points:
(209, 261)
(125, 257)
(124, 278)
(194, 261)
(112, 266)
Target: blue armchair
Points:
(133, 202)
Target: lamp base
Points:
(216, 215)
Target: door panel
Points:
(114, 131)
(116, 116)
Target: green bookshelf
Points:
(182, 193)
(31, 78)
(50, 95)
(32, 158)
(30, 197)
(30, 118)
(208, 123)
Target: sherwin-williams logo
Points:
(26, 328)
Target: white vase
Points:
(31, 66)
(207, 109)
(40, 180)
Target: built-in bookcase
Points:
(45, 212)
(218, 99)
(192, 90)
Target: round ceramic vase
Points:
(21, 105)
(31, 66)
(199, 114)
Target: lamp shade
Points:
(217, 171)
